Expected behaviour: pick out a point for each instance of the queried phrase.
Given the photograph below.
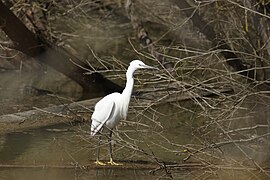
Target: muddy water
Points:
(52, 153)
(56, 152)
(157, 134)
(64, 151)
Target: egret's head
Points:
(137, 64)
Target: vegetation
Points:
(208, 107)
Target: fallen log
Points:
(82, 110)
(76, 111)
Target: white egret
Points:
(114, 107)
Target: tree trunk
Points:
(206, 28)
(93, 85)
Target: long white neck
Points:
(126, 94)
(129, 83)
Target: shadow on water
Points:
(13, 145)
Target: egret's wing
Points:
(103, 111)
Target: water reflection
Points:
(48, 154)
(13, 145)
(61, 147)
(57, 174)
(150, 134)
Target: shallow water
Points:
(55, 174)
(47, 154)
(150, 135)
(57, 150)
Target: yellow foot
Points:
(98, 163)
(111, 162)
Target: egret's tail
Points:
(93, 132)
(95, 126)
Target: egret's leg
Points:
(111, 162)
(97, 162)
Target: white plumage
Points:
(114, 107)
(106, 113)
